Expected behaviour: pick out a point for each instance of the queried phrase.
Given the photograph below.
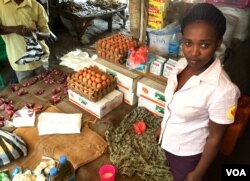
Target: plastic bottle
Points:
(66, 169)
(53, 174)
(15, 171)
(174, 46)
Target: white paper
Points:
(24, 117)
(59, 123)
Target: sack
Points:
(12, 147)
(33, 52)
(159, 40)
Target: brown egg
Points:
(89, 82)
(84, 79)
(99, 86)
(88, 76)
(104, 84)
(98, 79)
(103, 77)
(94, 84)
(98, 75)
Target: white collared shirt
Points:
(209, 96)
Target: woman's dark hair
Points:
(207, 13)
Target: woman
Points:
(200, 98)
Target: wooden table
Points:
(81, 22)
(30, 134)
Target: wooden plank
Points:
(135, 16)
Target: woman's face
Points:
(199, 45)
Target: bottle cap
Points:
(53, 171)
(62, 159)
(15, 171)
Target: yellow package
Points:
(156, 13)
(156, 26)
(156, 19)
(158, 5)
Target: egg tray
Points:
(120, 59)
(115, 47)
(87, 91)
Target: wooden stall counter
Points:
(87, 163)
(81, 22)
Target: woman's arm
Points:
(212, 147)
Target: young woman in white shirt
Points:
(200, 98)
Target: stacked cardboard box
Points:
(126, 79)
(157, 12)
(151, 95)
(99, 108)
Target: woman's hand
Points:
(192, 176)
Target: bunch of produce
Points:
(115, 47)
(105, 4)
(90, 7)
(7, 109)
(91, 83)
(70, 6)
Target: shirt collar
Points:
(210, 75)
(26, 2)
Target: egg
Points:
(103, 77)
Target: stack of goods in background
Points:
(157, 11)
(94, 91)
(115, 48)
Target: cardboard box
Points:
(152, 91)
(156, 26)
(125, 78)
(156, 13)
(156, 20)
(151, 106)
(156, 66)
(99, 108)
(158, 1)
(162, 6)
(128, 97)
(168, 67)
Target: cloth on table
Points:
(138, 154)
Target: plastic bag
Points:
(12, 147)
(52, 38)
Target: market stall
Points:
(119, 93)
